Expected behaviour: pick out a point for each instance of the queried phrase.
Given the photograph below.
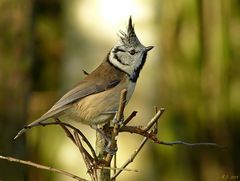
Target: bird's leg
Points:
(94, 126)
(115, 120)
(108, 148)
(118, 122)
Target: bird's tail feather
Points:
(31, 125)
(50, 114)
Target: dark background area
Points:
(193, 71)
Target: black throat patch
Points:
(137, 71)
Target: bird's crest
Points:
(130, 38)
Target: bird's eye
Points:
(132, 51)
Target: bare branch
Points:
(154, 119)
(114, 165)
(123, 169)
(152, 136)
(135, 153)
(122, 104)
(130, 117)
(86, 157)
(150, 132)
(42, 167)
(119, 116)
(75, 129)
(68, 133)
(155, 128)
(190, 144)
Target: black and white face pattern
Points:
(129, 55)
(129, 59)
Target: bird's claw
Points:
(110, 149)
(118, 122)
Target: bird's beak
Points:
(149, 48)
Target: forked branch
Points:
(149, 132)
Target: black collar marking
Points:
(136, 72)
(135, 75)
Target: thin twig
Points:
(129, 118)
(119, 116)
(86, 157)
(155, 128)
(78, 131)
(123, 169)
(138, 130)
(122, 104)
(135, 153)
(115, 165)
(42, 167)
(148, 132)
(154, 119)
(68, 133)
(172, 143)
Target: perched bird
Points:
(95, 99)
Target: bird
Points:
(95, 99)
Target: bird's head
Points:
(129, 55)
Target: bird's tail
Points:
(52, 113)
(31, 125)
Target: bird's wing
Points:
(82, 90)
(94, 83)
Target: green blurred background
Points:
(193, 71)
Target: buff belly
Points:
(98, 108)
